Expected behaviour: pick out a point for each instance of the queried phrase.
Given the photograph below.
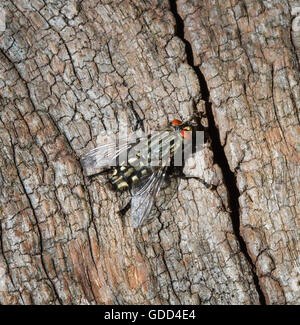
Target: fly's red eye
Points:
(176, 123)
(186, 134)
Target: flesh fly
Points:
(140, 165)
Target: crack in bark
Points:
(38, 228)
(164, 260)
(218, 150)
(22, 183)
(7, 264)
(275, 107)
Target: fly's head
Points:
(186, 128)
(192, 132)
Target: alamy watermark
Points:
(296, 20)
(2, 19)
(159, 148)
(2, 279)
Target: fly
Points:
(140, 166)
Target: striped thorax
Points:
(156, 151)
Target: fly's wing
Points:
(143, 196)
(102, 156)
(105, 156)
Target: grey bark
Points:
(67, 70)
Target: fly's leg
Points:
(103, 172)
(207, 185)
(179, 173)
(124, 210)
(139, 121)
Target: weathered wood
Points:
(67, 70)
(245, 52)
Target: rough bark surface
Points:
(67, 70)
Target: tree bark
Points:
(67, 71)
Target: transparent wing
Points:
(143, 196)
(105, 156)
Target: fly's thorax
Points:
(159, 148)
